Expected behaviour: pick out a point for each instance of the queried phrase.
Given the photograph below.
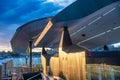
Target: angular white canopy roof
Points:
(98, 20)
(27, 32)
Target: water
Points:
(21, 61)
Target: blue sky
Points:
(14, 13)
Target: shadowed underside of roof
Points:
(97, 27)
(92, 18)
(80, 9)
(27, 32)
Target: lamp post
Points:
(30, 52)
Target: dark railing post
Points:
(30, 51)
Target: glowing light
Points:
(78, 31)
(108, 31)
(5, 47)
(40, 49)
(46, 29)
(36, 49)
(94, 20)
(92, 38)
(116, 45)
(109, 11)
(89, 54)
(60, 49)
(116, 28)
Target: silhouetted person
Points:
(106, 48)
(26, 58)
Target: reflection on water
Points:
(21, 61)
(103, 72)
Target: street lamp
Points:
(30, 52)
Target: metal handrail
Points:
(33, 76)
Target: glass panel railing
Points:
(102, 72)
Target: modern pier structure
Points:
(80, 27)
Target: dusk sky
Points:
(14, 13)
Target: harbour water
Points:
(21, 61)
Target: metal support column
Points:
(30, 48)
(65, 39)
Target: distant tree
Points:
(3, 51)
(10, 52)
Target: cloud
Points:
(14, 13)
(49, 9)
(8, 27)
(5, 47)
(6, 33)
(63, 3)
(21, 11)
(24, 11)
